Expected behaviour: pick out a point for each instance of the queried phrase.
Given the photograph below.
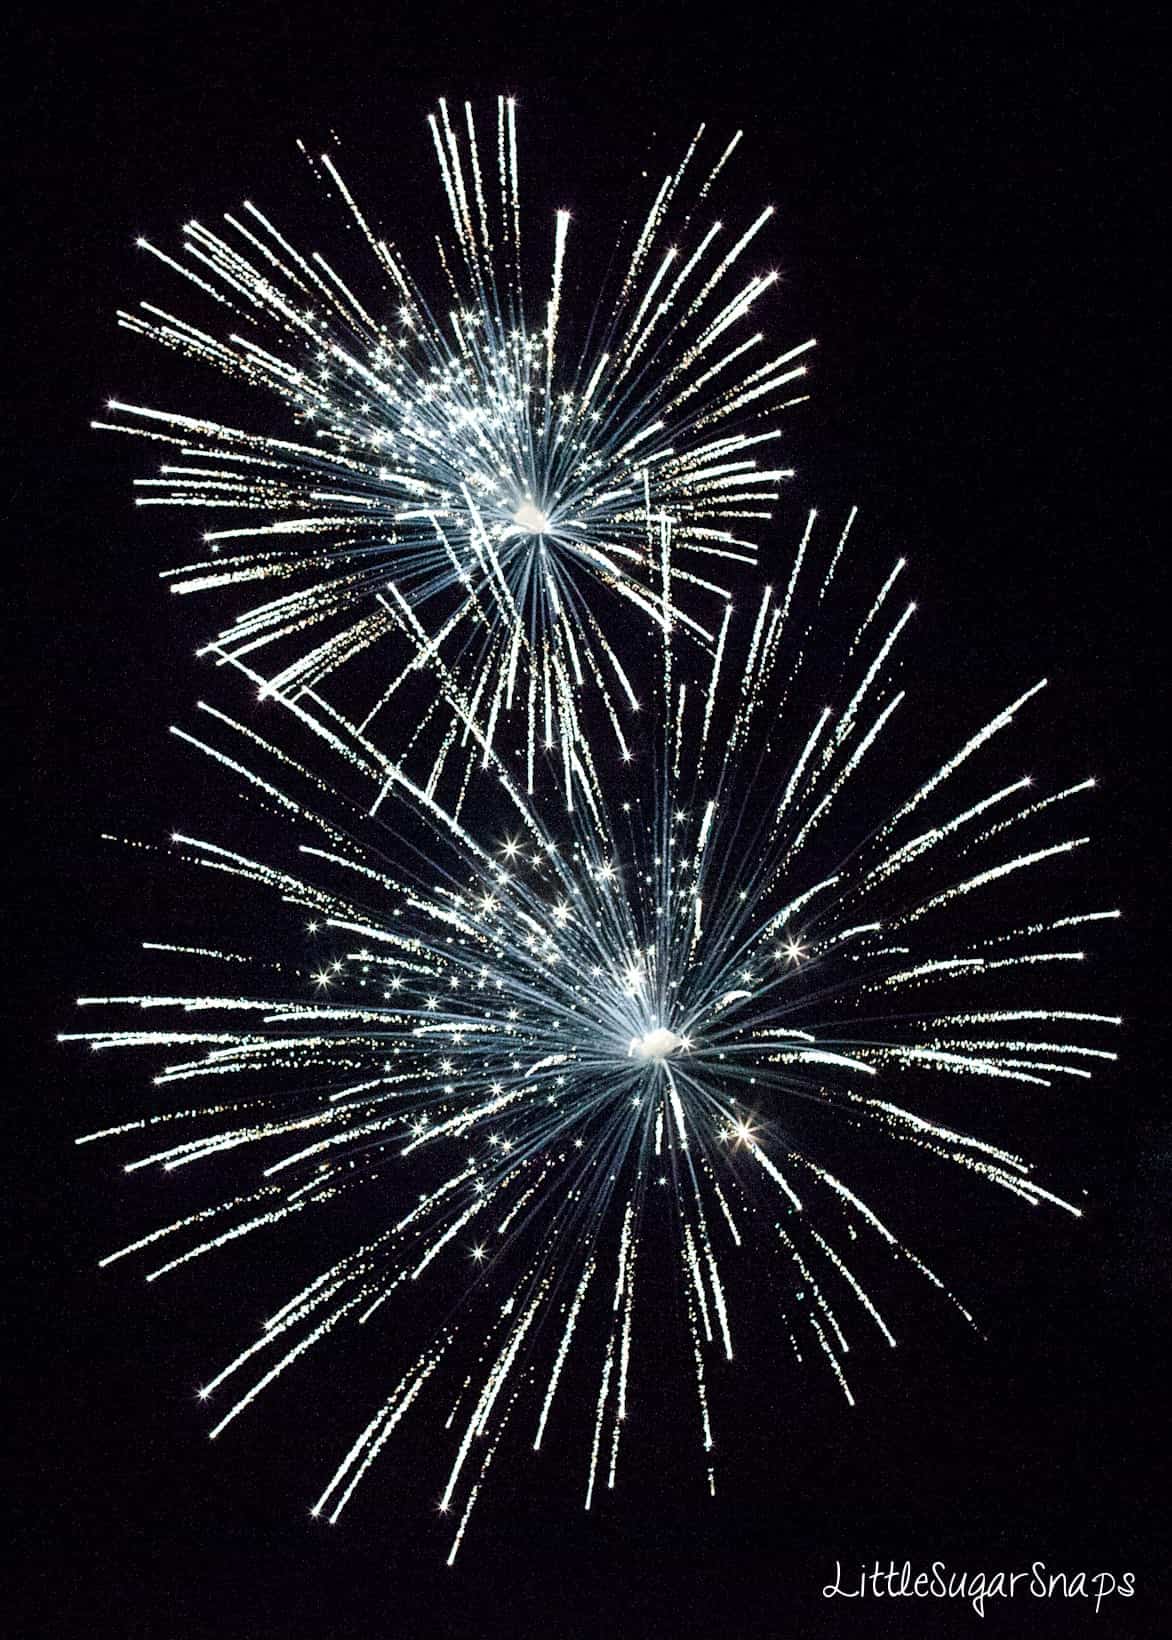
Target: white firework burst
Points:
(476, 483)
(558, 1041)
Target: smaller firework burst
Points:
(476, 483)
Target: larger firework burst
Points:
(487, 486)
(552, 1040)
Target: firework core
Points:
(656, 1044)
(531, 518)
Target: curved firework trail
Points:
(489, 480)
(561, 1042)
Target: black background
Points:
(968, 223)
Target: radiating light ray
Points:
(558, 1066)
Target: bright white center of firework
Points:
(656, 1044)
(531, 518)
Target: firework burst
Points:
(561, 1042)
(476, 483)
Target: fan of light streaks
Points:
(560, 1043)
(494, 482)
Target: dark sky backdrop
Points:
(967, 221)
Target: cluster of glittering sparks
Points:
(566, 1038)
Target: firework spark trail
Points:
(459, 486)
(533, 1009)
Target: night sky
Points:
(967, 221)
